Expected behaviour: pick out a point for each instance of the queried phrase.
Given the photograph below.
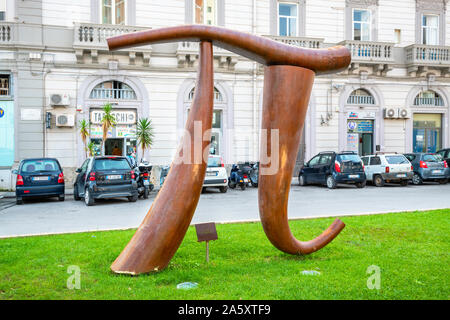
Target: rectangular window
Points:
(2, 10)
(113, 11)
(5, 85)
(430, 29)
(287, 19)
(361, 25)
(205, 12)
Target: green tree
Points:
(91, 148)
(144, 134)
(84, 132)
(108, 121)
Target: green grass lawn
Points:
(411, 250)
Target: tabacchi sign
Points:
(122, 117)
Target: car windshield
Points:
(396, 159)
(45, 165)
(349, 157)
(111, 164)
(431, 158)
(214, 162)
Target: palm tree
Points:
(91, 148)
(108, 121)
(84, 132)
(144, 134)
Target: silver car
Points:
(382, 168)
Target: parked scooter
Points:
(239, 176)
(254, 174)
(143, 179)
(164, 173)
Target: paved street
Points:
(52, 216)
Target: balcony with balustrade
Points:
(7, 33)
(304, 42)
(91, 38)
(375, 56)
(421, 59)
(187, 55)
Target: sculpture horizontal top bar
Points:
(260, 49)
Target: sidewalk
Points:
(12, 194)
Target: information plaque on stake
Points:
(206, 232)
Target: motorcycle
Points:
(143, 179)
(164, 172)
(239, 176)
(254, 174)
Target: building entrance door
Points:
(427, 132)
(360, 136)
(114, 146)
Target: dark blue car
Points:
(39, 177)
(330, 168)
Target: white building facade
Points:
(55, 70)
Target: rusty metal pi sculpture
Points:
(288, 80)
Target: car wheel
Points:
(19, 201)
(331, 182)
(301, 180)
(361, 184)
(416, 179)
(146, 191)
(133, 198)
(61, 197)
(223, 189)
(76, 194)
(404, 183)
(378, 181)
(88, 199)
(443, 181)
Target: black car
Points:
(39, 177)
(105, 177)
(445, 154)
(331, 168)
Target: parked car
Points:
(216, 174)
(331, 168)
(428, 167)
(445, 154)
(39, 177)
(382, 168)
(105, 177)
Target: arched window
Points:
(360, 96)
(428, 98)
(217, 95)
(113, 90)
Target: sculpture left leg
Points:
(160, 234)
(286, 96)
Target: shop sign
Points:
(2, 113)
(361, 115)
(352, 142)
(122, 117)
(125, 131)
(30, 114)
(97, 132)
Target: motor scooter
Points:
(254, 174)
(143, 171)
(239, 176)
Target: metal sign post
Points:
(206, 232)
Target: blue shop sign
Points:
(2, 113)
(6, 133)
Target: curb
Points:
(223, 222)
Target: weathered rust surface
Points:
(260, 49)
(286, 96)
(288, 81)
(163, 229)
